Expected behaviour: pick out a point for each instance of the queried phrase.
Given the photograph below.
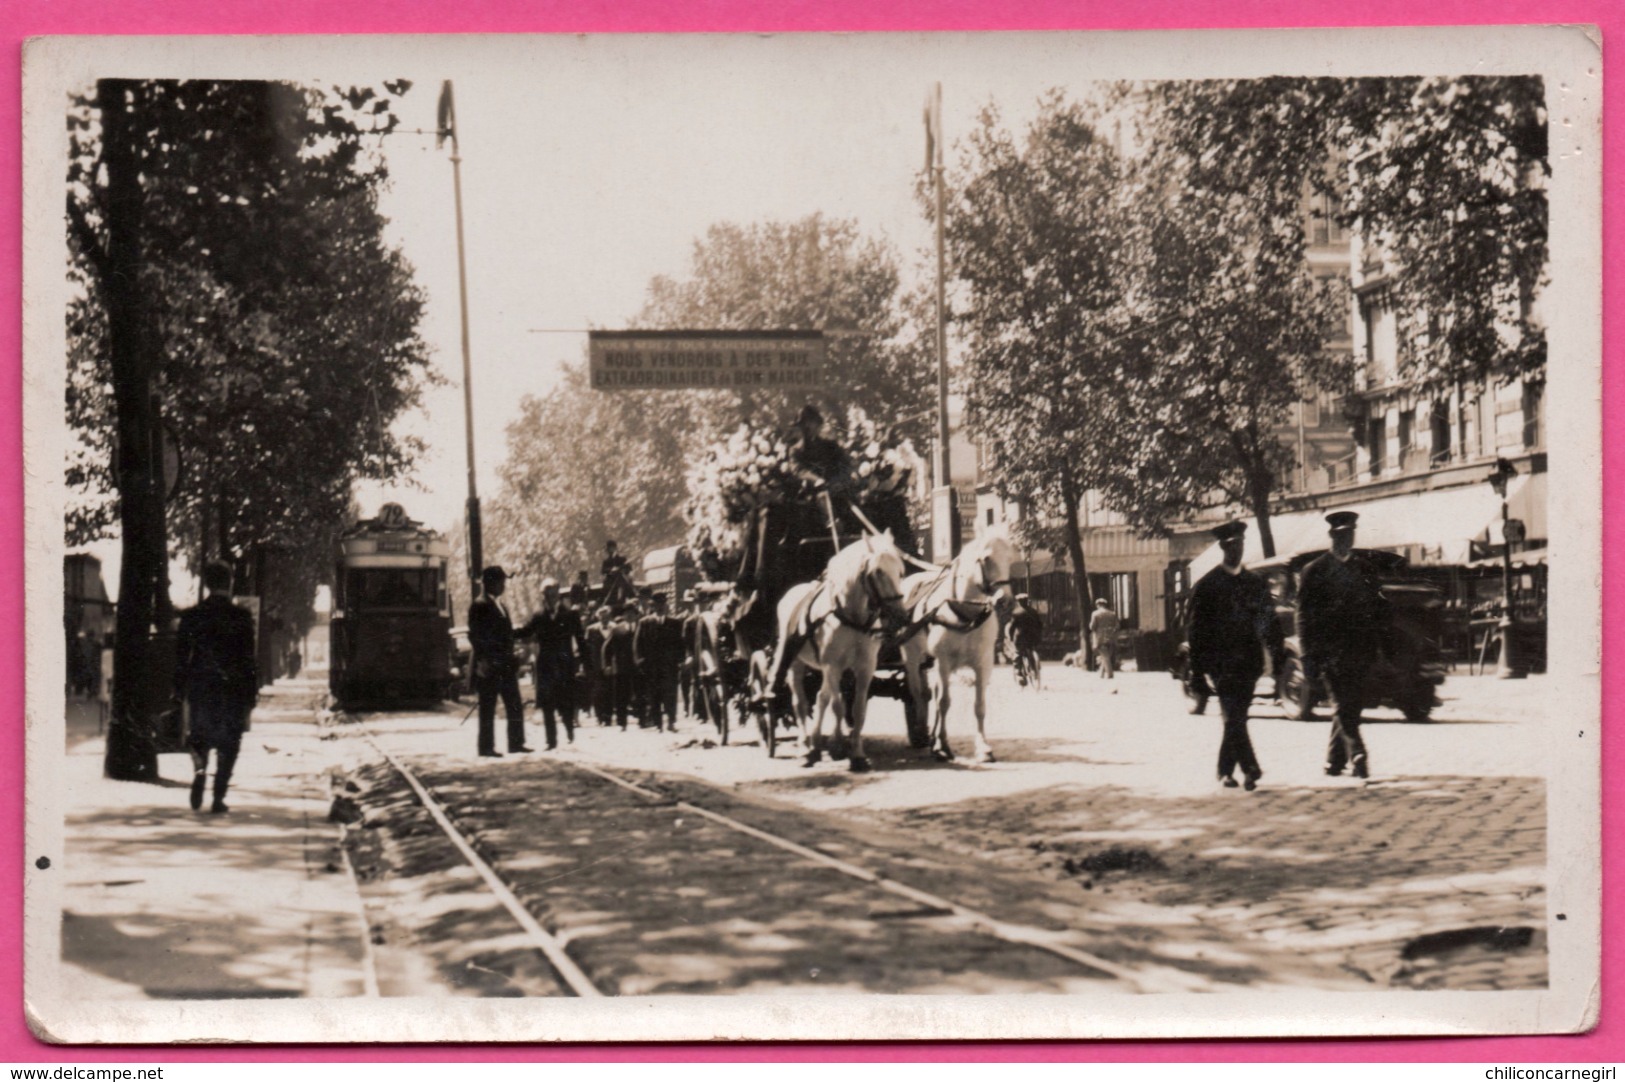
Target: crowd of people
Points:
(624, 660)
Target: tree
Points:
(1034, 242)
(1447, 175)
(1229, 316)
(233, 291)
(1448, 178)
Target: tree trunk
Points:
(131, 736)
(1082, 592)
(1259, 484)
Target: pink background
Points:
(20, 19)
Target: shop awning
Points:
(1435, 527)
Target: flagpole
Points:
(944, 476)
(448, 129)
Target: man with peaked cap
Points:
(557, 631)
(658, 646)
(1343, 623)
(620, 662)
(496, 673)
(592, 655)
(1232, 630)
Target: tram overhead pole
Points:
(446, 125)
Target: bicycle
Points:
(1027, 668)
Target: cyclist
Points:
(1025, 629)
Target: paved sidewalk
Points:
(166, 903)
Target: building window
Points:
(1406, 423)
(1534, 414)
(1311, 411)
(1376, 442)
(1439, 433)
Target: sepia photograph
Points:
(812, 536)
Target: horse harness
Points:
(806, 625)
(968, 615)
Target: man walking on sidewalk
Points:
(216, 676)
(1104, 625)
(1343, 623)
(1232, 626)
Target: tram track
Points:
(929, 917)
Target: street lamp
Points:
(1507, 665)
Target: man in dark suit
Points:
(659, 648)
(617, 575)
(620, 663)
(1233, 629)
(496, 673)
(1343, 623)
(216, 675)
(557, 632)
(592, 658)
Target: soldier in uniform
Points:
(1232, 627)
(215, 674)
(1343, 624)
(592, 654)
(658, 645)
(620, 664)
(496, 674)
(557, 632)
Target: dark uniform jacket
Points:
(1232, 624)
(490, 633)
(1026, 626)
(618, 655)
(214, 666)
(659, 643)
(558, 635)
(1342, 615)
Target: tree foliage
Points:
(1229, 316)
(1034, 238)
(286, 329)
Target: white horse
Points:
(833, 625)
(952, 617)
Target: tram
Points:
(391, 630)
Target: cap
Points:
(809, 415)
(1342, 520)
(1230, 531)
(689, 596)
(494, 571)
(1100, 603)
(1023, 597)
(604, 611)
(550, 583)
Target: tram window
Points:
(392, 588)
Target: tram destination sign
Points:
(689, 360)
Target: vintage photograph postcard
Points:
(813, 537)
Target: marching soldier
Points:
(490, 633)
(557, 632)
(1232, 626)
(592, 654)
(620, 664)
(1343, 623)
(659, 649)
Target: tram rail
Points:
(951, 916)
